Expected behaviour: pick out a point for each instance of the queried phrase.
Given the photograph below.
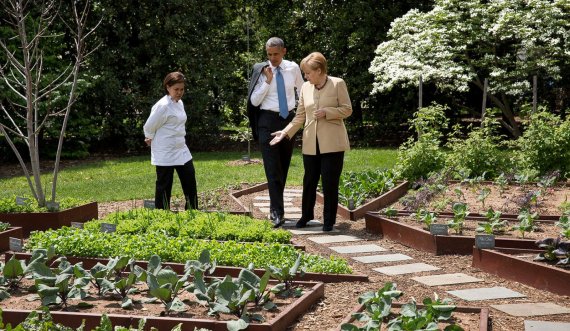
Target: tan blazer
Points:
(330, 131)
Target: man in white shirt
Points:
(271, 103)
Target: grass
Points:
(133, 177)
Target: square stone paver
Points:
(446, 279)
(406, 269)
(292, 190)
(532, 309)
(486, 293)
(382, 258)
(358, 249)
(332, 239)
(293, 217)
(292, 194)
(545, 326)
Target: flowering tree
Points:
(41, 74)
(459, 43)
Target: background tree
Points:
(41, 75)
(459, 43)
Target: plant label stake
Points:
(15, 244)
(20, 201)
(148, 204)
(108, 227)
(438, 229)
(77, 225)
(351, 204)
(485, 241)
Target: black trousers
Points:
(327, 167)
(164, 177)
(276, 159)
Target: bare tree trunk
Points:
(509, 122)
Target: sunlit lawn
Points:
(133, 177)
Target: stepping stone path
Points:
(472, 294)
(545, 326)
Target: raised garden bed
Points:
(220, 271)
(257, 188)
(380, 202)
(51, 220)
(485, 322)
(517, 265)
(287, 316)
(12, 232)
(415, 237)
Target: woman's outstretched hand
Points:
(278, 136)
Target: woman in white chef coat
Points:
(165, 133)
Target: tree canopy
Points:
(459, 43)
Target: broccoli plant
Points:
(501, 182)
(428, 218)
(483, 195)
(494, 224)
(411, 318)
(286, 276)
(459, 214)
(526, 222)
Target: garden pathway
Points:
(356, 248)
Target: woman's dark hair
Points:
(173, 78)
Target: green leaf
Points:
(176, 305)
(237, 325)
(13, 268)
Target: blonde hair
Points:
(315, 61)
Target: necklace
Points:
(320, 86)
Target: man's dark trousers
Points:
(277, 158)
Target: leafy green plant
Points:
(564, 224)
(356, 187)
(166, 286)
(501, 182)
(9, 205)
(286, 275)
(412, 318)
(526, 222)
(377, 310)
(377, 306)
(59, 285)
(81, 243)
(4, 226)
(483, 195)
(426, 217)
(390, 212)
(194, 224)
(460, 212)
(494, 224)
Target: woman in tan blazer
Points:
(324, 103)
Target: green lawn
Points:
(133, 177)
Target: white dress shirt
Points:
(265, 95)
(166, 127)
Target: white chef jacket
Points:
(166, 127)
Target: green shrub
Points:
(545, 144)
(356, 187)
(479, 154)
(417, 159)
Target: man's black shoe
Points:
(301, 224)
(278, 221)
(327, 228)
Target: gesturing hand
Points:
(279, 135)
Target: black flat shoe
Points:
(301, 224)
